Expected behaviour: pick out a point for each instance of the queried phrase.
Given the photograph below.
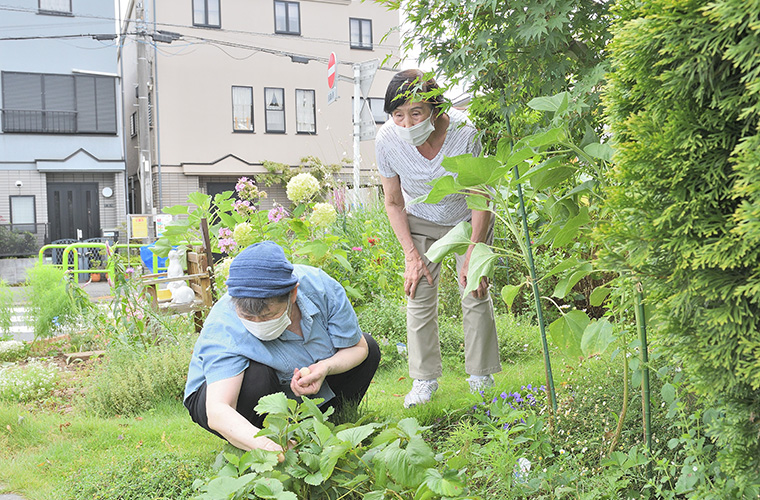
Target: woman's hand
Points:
(414, 271)
(305, 384)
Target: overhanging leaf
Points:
(554, 104)
(567, 332)
(599, 151)
(442, 187)
(482, 261)
(355, 435)
(273, 403)
(447, 484)
(456, 240)
(597, 337)
(508, 294)
(598, 295)
(570, 228)
(567, 283)
(470, 170)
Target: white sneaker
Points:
(480, 382)
(422, 391)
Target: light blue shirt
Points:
(225, 348)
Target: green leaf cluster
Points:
(323, 461)
(683, 105)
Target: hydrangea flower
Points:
(302, 187)
(324, 214)
(243, 234)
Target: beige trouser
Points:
(481, 346)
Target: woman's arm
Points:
(415, 268)
(340, 362)
(221, 401)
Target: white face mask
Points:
(270, 329)
(416, 135)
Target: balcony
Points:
(39, 122)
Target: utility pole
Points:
(357, 135)
(144, 169)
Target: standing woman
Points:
(409, 149)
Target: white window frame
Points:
(274, 108)
(302, 126)
(241, 108)
(28, 220)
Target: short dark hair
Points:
(254, 306)
(407, 83)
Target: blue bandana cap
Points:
(261, 271)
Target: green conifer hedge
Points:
(683, 104)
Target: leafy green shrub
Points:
(384, 317)
(684, 106)
(33, 381)
(328, 462)
(131, 379)
(54, 300)
(161, 475)
(519, 338)
(17, 243)
(12, 350)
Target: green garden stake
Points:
(537, 296)
(641, 325)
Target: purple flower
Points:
(227, 245)
(503, 395)
(225, 232)
(277, 213)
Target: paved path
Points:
(24, 332)
(10, 496)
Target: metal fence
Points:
(22, 240)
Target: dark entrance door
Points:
(73, 210)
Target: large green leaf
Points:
(567, 332)
(317, 249)
(442, 187)
(562, 266)
(554, 104)
(597, 337)
(598, 295)
(482, 260)
(551, 177)
(570, 228)
(599, 151)
(456, 240)
(471, 170)
(477, 202)
(176, 210)
(448, 484)
(355, 435)
(273, 403)
(508, 294)
(271, 488)
(551, 136)
(568, 282)
(400, 466)
(202, 200)
(374, 495)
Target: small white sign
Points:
(161, 221)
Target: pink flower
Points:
(356, 249)
(277, 214)
(227, 245)
(243, 207)
(225, 232)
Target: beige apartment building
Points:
(226, 85)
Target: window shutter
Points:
(87, 117)
(22, 91)
(105, 92)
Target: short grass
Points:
(47, 446)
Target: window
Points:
(306, 112)
(242, 109)
(23, 214)
(361, 33)
(58, 104)
(287, 17)
(207, 13)
(55, 6)
(133, 124)
(274, 99)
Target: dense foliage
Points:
(509, 52)
(684, 106)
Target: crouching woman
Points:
(275, 319)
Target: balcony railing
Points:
(39, 121)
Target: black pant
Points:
(261, 380)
